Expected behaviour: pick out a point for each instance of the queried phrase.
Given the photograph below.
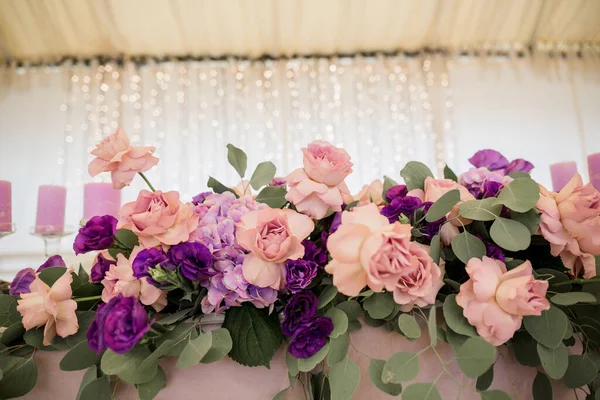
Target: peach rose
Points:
(436, 188)
(272, 236)
(120, 279)
(371, 193)
(320, 186)
(494, 300)
(50, 306)
(159, 218)
(570, 221)
(114, 154)
(447, 233)
(405, 268)
(243, 188)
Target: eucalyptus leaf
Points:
(580, 372)
(273, 196)
(432, 326)
(480, 210)
(375, 372)
(90, 375)
(510, 235)
(280, 395)
(414, 174)
(421, 391)
(344, 378)
(263, 174)
(379, 306)
(51, 275)
(435, 248)
(149, 390)
(554, 276)
(495, 395)
(97, 389)
(476, 356)
(79, 357)
(554, 361)
(221, 345)
(218, 187)
(338, 348)
(549, 328)
(195, 350)
(568, 299)
(524, 347)
(542, 387)
(466, 246)
(387, 184)
(292, 364)
(128, 366)
(238, 159)
(520, 195)
(308, 364)
(531, 219)
(326, 296)
(12, 333)
(443, 205)
(19, 376)
(340, 321)
(453, 314)
(400, 367)
(485, 381)
(449, 174)
(408, 326)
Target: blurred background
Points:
(389, 80)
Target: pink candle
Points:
(51, 209)
(5, 206)
(100, 199)
(562, 174)
(594, 169)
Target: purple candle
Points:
(594, 169)
(51, 209)
(562, 174)
(5, 206)
(100, 199)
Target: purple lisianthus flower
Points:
(401, 205)
(299, 274)
(300, 308)
(518, 165)
(491, 159)
(335, 222)
(396, 191)
(493, 251)
(278, 181)
(97, 234)
(310, 337)
(491, 189)
(52, 261)
(199, 198)
(314, 253)
(119, 325)
(150, 258)
(20, 283)
(100, 268)
(194, 260)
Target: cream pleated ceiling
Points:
(38, 29)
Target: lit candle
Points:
(5, 207)
(51, 209)
(562, 173)
(594, 169)
(100, 199)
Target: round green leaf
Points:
(79, 357)
(432, 326)
(96, 389)
(238, 159)
(273, 196)
(326, 296)
(580, 372)
(218, 187)
(400, 367)
(495, 395)
(149, 390)
(480, 210)
(510, 235)
(475, 357)
(338, 348)
(129, 365)
(408, 326)
(520, 195)
(554, 276)
(455, 340)
(340, 321)
(485, 380)
(435, 248)
(19, 376)
(308, 364)
(542, 387)
(292, 364)
(12, 333)
(531, 219)
(51, 274)
(453, 314)
(525, 349)
(554, 361)
(352, 309)
(220, 346)
(387, 184)
(280, 395)
(414, 174)
(568, 299)
(379, 305)
(344, 378)
(195, 350)
(443, 205)
(548, 328)
(466, 246)
(263, 174)
(375, 373)
(421, 391)
(449, 174)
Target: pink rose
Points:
(272, 236)
(570, 221)
(120, 279)
(371, 193)
(320, 186)
(243, 188)
(159, 218)
(400, 266)
(436, 188)
(50, 306)
(447, 233)
(494, 301)
(114, 154)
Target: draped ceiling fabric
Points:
(35, 29)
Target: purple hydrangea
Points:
(401, 205)
(53, 261)
(97, 234)
(20, 283)
(100, 268)
(518, 165)
(396, 191)
(118, 325)
(299, 274)
(310, 337)
(194, 260)
(490, 159)
(301, 308)
(199, 198)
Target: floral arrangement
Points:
(303, 263)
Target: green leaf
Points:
(90, 375)
(149, 390)
(12, 333)
(343, 379)
(548, 328)
(340, 321)
(35, 338)
(495, 395)
(524, 347)
(531, 219)
(308, 364)
(554, 361)
(375, 373)
(326, 296)
(79, 357)
(421, 391)
(435, 248)
(379, 306)
(238, 159)
(480, 210)
(353, 310)
(8, 306)
(338, 348)
(580, 372)
(263, 174)
(432, 326)
(175, 317)
(51, 275)
(160, 351)
(520, 195)
(485, 381)
(475, 357)
(218, 187)
(273, 196)
(222, 344)
(408, 326)
(97, 389)
(443, 205)
(387, 184)
(19, 376)
(466, 246)
(510, 235)
(128, 366)
(195, 350)
(414, 174)
(542, 387)
(453, 314)
(292, 364)
(568, 299)
(177, 335)
(83, 276)
(449, 174)
(256, 336)
(554, 276)
(127, 238)
(280, 395)
(400, 367)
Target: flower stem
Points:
(147, 181)
(88, 298)
(577, 281)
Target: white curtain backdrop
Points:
(384, 110)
